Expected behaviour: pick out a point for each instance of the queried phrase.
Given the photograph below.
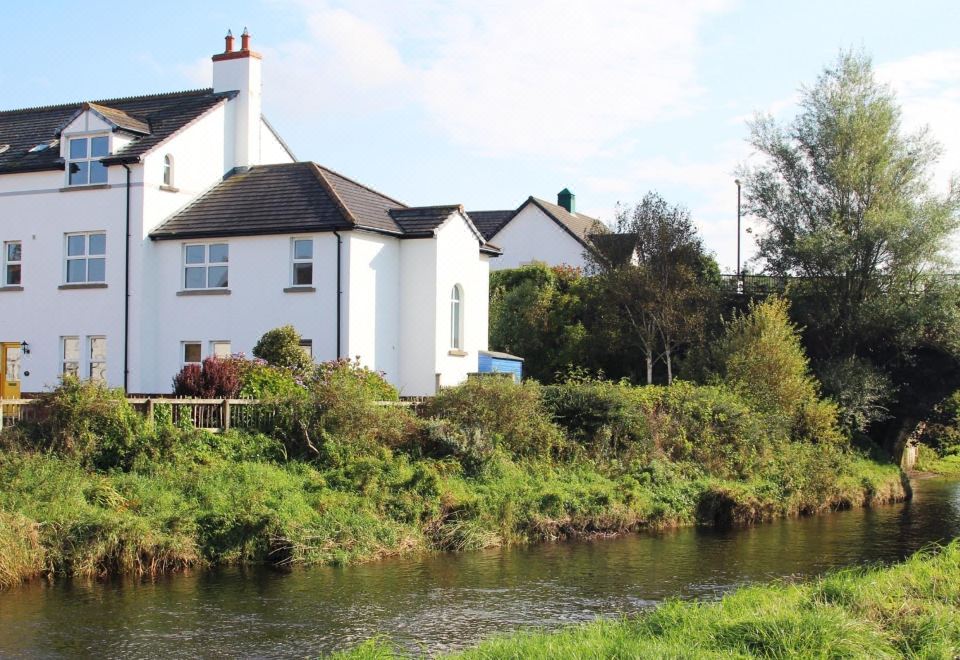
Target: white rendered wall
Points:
(271, 149)
(371, 302)
(418, 312)
(260, 270)
(244, 75)
(459, 262)
(533, 236)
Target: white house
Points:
(143, 233)
(538, 230)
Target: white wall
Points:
(418, 313)
(372, 301)
(271, 150)
(260, 270)
(534, 236)
(459, 262)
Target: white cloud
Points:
(541, 78)
(928, 89)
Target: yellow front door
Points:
(10, 370)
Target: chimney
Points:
(239, 71)
(567, 200)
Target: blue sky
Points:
(486, 103)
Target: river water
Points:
(450, 601)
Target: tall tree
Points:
(845, 197)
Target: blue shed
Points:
(492, 362)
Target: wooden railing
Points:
(209, 414)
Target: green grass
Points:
(911, 610)
(929, 461)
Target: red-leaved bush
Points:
(218, 378)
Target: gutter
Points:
(339, 287)
(126, 292)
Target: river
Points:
(449, 601)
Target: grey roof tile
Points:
(490, 222)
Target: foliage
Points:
(217, 378)
(507, 414)
(537, 312)
(259, 380)
(281, 348)
(862, 392)
(372, 385)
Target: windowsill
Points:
(204, 292)
(11, 288)
(169, 188)
(456, 352)
(83, 285)
(300, 289)
(95, 186)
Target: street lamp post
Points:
(737, 181)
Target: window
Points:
(220, 349)
(12, 259)
(70, 356)
(97, 354)
(302, 262)
(191, 353)
(83, 160)
(168, 170)
(86, 257)
(456, 318)
(306, 345)
(205, 266)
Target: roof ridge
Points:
(430, 206)
(344, 209)
(362, 185)
(121, 99)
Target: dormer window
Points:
(168, 170)
(83, 160)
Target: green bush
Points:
(281, 348)
(506, 414)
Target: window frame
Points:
(64, 360)
(167, 166)
(294, 261)
(206, 265)
(456, 318)
(183, 352)
(306, 345)
(7, 263)
(93, 360)
(219, 342)
(86, 257)
(88, 158)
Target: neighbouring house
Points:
(141, 234)
(539, 231)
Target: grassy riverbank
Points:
(116, 494)
(911, 610)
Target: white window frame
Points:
(294, 260)
(456, 318)
(306, 345)
(5, 279)
(85, 257)
(94, 361)
(206, 265)
(183, 352)
(168, 170)
(220, 342)
(88, 159)
(65, 360)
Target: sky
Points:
(486, 103)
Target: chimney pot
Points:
(229, 40)
(245, 40)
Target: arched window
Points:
(168, 170)
(456, 318)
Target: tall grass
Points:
(911, 610)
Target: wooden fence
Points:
(209, 414)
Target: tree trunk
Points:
(669, 365)
(649, 369)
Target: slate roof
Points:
(576, 224)
(490, 222)
(300, 197)
(154, 118)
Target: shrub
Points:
(504, 413)
(88, 421)
(366, 383)
(281, 347)
(862, 392)
(217, 378)
(259, 380)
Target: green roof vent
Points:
(567, 200)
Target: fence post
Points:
(150, 418)
(225, 415)
(1, 414)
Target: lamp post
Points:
(737, 181)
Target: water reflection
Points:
(449, 601)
